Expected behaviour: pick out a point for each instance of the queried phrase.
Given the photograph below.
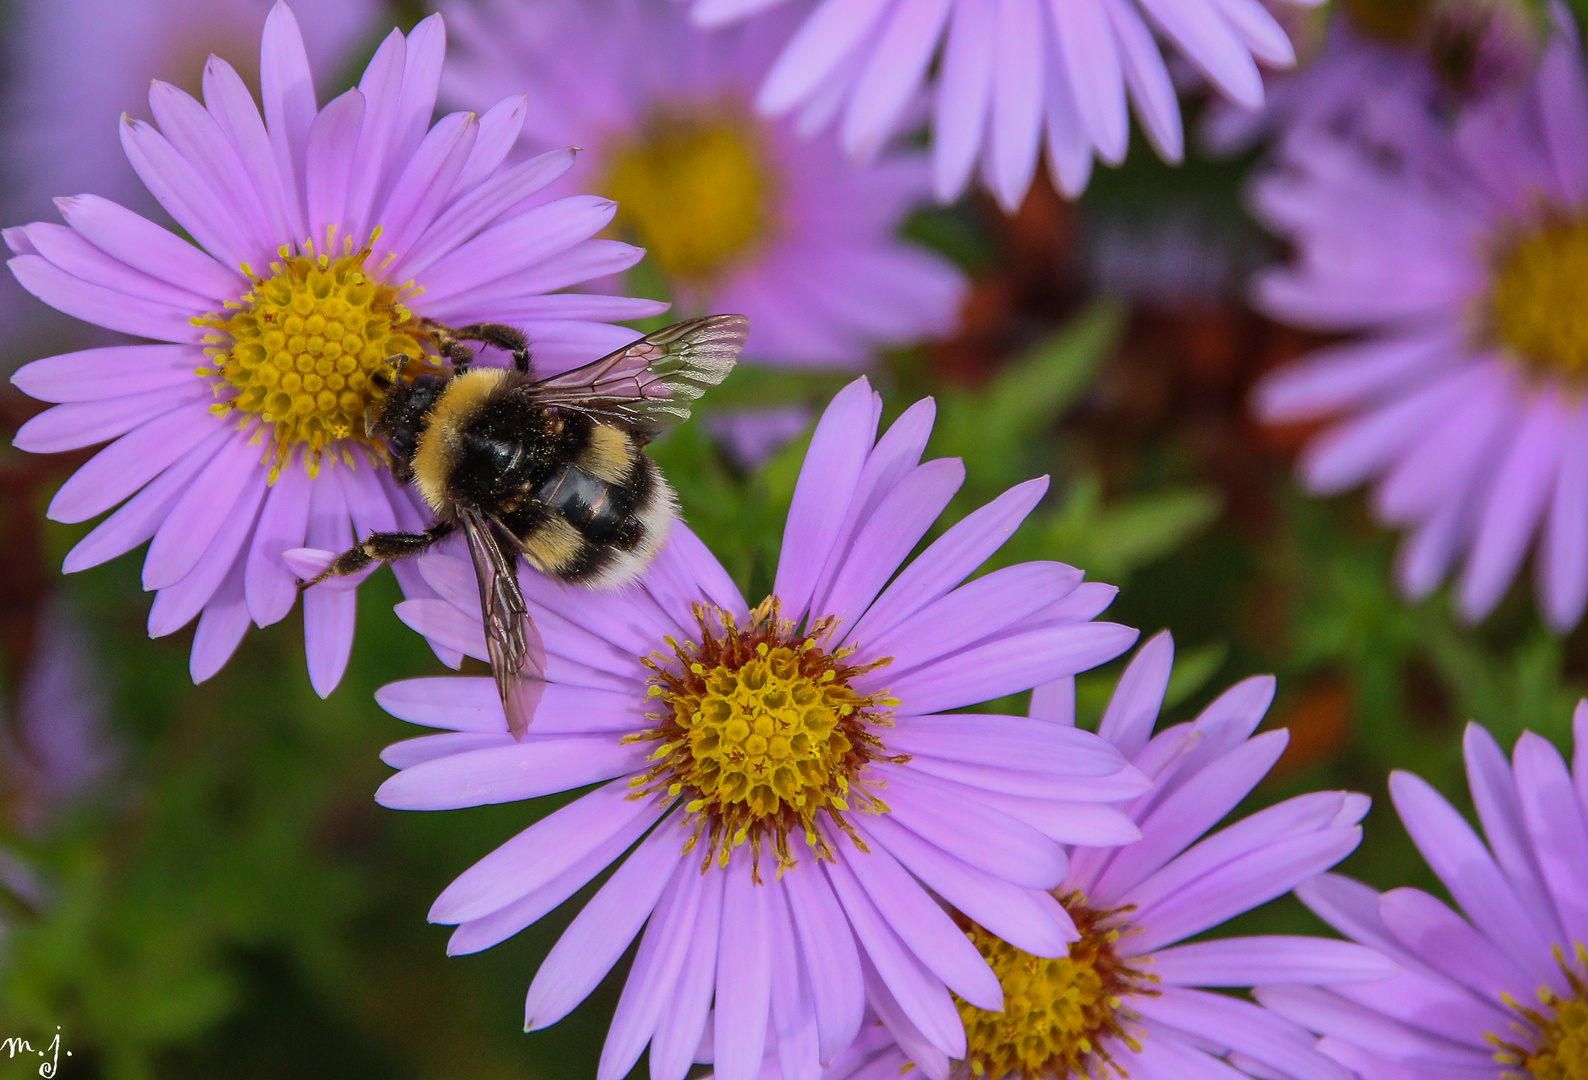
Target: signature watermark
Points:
(13, 1046)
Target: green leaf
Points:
(1192, 670)
(1110, 542)
(996, 429)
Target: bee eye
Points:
(381, 380)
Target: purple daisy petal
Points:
(1192, 809)
(1270, 960)
(1456, 855)
(654, 976)
(1447, 943)
(793, 1011)
(744, 969)
(601, 932)
(132, 461)
(176, 604)
(925, 928)
(1499, 808)
(221, 626)
(678, 1033)
(998, 66)
(1132, 711)
(140, 516)
(1245, 1028)
(481, 933)
(118, 371)
(951, 558)
(1016, 914)
(270, 586)
(923, 1000)
(1556, 828)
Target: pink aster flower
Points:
(325, 239)
(1357, 85)
(1129, 999)
(736, 212)
(1008, 74)
(792, 779)
(1499, 988)
(1462, 257)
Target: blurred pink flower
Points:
(736, 212)
(1461, 255)
(1009, 72)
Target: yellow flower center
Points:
(301, 346)
(760, 731)
(1556, 1035)
(1393, 21)
(1536, 299)
(1057, 1013)
(694, 190)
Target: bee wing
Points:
(648, 385)
(518, 656)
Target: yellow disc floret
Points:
(1554, 1038)
(694, 190)
(760, 731)
(1059, 1013)
(301, 346)
(1536, 299)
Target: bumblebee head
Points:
(399, 416)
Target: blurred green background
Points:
(227, 900)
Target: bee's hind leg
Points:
(381, 547)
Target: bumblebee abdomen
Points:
(590, 531)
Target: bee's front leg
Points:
(381, 547)
(507, 338)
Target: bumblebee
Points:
(551, 469)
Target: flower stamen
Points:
(1535, 299)
(694, 190)
(1552, 1040)
(302, 345)
(759, 731)
(1058, 1013)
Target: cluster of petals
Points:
(1008, 74)
(1467, 974)
(830, 280)
(58, 137)
(474, 236)
(1175, 883)
(1474, 452)
(1354, 85)
(980, 807)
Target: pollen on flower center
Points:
(1057, 1013)
(694, 189)
(1555, 1036)
(759, 730)
(301, 346)
(1535, 300)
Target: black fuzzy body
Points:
(580, 498)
